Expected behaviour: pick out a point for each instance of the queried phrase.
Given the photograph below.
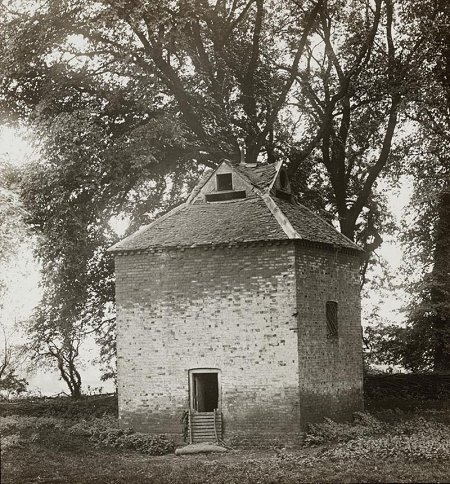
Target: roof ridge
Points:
(280, 217)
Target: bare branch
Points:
(375, 170)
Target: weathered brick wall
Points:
(231, 308)
(330, 369)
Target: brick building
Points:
(240, 307)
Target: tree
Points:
(11, 358)
(209, 62)
(355, 84)
(428, 240)
(439, 290)
(226, 71)
(57, 344)
(132, 99)
(424, 342)
(122, 124)
(13, 232)
(12, 228)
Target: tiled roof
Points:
(260, 176)
(311, 227)
(245, 220)
(207, 224)
(256, 218)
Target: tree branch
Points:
(273, 115)
(375, 170)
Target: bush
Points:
(67, 407)
(14, 424)
(101, 431)
(413, 438)
(106, 432)
(418, 439)
(329, 431)
(147, 444)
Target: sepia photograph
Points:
(224, 241)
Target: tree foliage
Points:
(12, 228)
(11, 357)
(349, 94)
(228, 79)
(424, 343)
(131, 100)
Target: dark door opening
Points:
(205, 392)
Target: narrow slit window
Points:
(332, 318)
(224, 182)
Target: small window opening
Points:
(332, 318)
(283, 180)
(205, 392)
(224, 182)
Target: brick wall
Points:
(230, 308)
(330, 369)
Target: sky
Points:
(23, 292)
(22, 278)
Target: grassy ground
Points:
(392, 446)
(55, 461)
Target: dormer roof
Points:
(252, 211)
(261, 176)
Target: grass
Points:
(389, 446)
(78, 463)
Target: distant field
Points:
(61, 441)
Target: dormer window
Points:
(283, 180)
(224, 189)
(282, 188)
(224, 182)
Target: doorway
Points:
(204, 390)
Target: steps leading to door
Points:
(205, 426)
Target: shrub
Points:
(424, 442)
(363, 425)
(101, 431)
(147, 444)
(106, 432)
(86, 406)
(14, 424)
(413, 438)
(144, 443)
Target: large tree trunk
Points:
(69, 373)
(440, 291)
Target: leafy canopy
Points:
(131, 100)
